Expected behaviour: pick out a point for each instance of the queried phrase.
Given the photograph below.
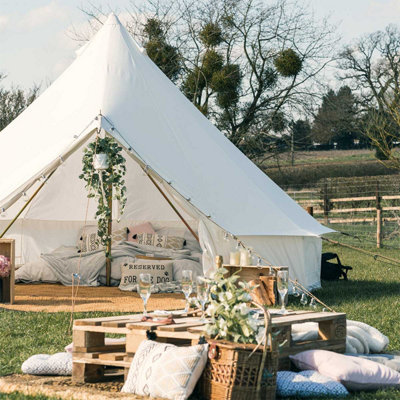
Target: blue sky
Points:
(35, 46)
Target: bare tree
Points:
(13, 101)
(372, 68)
(269, 56)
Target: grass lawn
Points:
(372, 295)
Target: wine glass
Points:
(187, 286)
(202, 294)
(303, 299)
(144, 290)
(283, 285)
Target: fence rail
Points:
(370, 208)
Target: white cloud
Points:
(42, 15)
(4, 20)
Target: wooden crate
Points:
(7, 248)
(251, 272)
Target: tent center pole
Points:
(109, 233)
(172, 206)
(25, 205)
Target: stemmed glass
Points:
(202, 294)
(283, 285)
(144, 290)
(187, 286)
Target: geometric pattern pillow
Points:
(168, 242)
(308, 384)
(177, 371)
(164, 370)
(141, 366)
(45, 364)
(89, 240)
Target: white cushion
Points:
(307, 384)
(46, 364)
(164, 370)
(160, 271)
(354, 373)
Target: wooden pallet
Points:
(91, 354)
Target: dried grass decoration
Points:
(103, 171)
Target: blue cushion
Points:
(308, 384)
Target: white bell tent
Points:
(114, 86)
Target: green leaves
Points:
(104, 184)
(288, 63)
(231, 317)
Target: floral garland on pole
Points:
(103, 171)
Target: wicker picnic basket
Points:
(240, 371)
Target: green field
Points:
(372, 295)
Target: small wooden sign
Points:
(7, 248)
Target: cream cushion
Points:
(161, 271)
(354, 373)
(164, 370)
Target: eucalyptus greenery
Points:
(231, 317)
(111, 183)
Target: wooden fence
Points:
(329, 210)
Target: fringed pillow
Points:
(156, 240)
(164, 370)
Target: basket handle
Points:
(267, 338)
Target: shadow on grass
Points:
(357, 289)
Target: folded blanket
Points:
(361, 338)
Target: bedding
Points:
(142, 228)
(62, 263)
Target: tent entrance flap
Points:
(26, 204)
(172, 206)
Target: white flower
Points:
(260, 337)
(228, 295)
(211, 309)
(244, 310)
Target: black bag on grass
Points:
(331, 271)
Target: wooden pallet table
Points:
(91, 355)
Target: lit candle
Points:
(244, 257)
(234, 257)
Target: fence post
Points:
(378, 217)
(326, 203)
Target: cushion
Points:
(46, 364)
(164, 370)
(146, 227)
(191, 243)
(390, 360)
(160, 271)
(307, 384)
(354, 373)
(89, 240)
(35, 271)
(168, 242)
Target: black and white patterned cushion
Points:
(308, 384)
(46, 364)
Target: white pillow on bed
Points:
(35, 271)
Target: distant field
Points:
(322, 157)
(312, 167)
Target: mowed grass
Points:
(372, 295)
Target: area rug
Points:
(57, 298)
(63, 388)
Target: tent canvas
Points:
(114, 86)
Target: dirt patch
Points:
(63, 388)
